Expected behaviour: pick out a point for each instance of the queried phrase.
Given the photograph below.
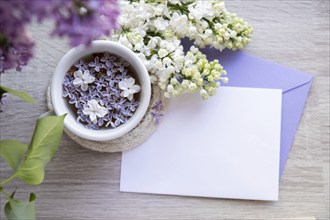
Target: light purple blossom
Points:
(101, 83)
(97, 66)
(81, 65)
(157, 112)
(108, 60)
(16, 47)
(73, 18)
(158, 106)
(133, 105)
(85, 20)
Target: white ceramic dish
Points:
(61, 105)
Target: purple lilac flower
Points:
(121, 76)
(101, 83)
(73, 18)
(81, 65)
(108, 60)
(122, 65)
(133, 105)
(105, 94)
(119, 104)
(93, 126)
(16, 47)
(157, 112)
(113, 90)
(97, 66)
(126, 112)
(158, 106)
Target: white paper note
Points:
(225, 147)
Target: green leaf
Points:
(20, 94)
(21, 210)
(46, 138)
(12, 152)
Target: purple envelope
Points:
(245, 70)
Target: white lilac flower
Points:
(160, 24)
(83, 79)
(199, 10)
(153, 42)
(204, 94)
(129, 88)
(162, 53)
(94, 110)
(153, 29)
(179, 24)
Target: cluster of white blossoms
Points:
(153, 29)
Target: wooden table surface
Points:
(81, 184)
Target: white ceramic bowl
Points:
(61, 106)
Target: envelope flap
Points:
(249, 71)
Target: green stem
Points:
(154, 34)
(182, 9)
(7, 180)
(208, 22)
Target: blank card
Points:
(225, 147)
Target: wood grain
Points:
(81, 184)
